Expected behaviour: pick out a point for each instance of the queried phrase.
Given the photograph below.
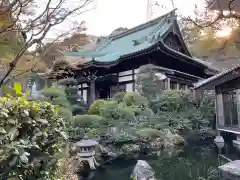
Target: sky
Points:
(109, 15)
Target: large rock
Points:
(142, 171)
(130, 148)
(108, 151)
(168, 139)
(171, 139)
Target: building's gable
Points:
(174, 42)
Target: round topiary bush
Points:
(95, 107)
(53, 92)
(67, 81)
(135, 99)
(77, 109)
(61, 101)
(86, 121)
(148, 133)
(66, 114)
(118, 96)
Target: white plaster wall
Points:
(124, 73)
(85, 95)
(129, 87)
(125, 78)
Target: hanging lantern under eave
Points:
(223, 5)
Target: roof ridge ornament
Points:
(135, 42)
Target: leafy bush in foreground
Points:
(31, 137)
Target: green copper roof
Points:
(130, 41)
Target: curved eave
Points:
(94, 63)
(160, 46)
(183, 57)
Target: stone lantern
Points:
(219, 141)
(86, 151)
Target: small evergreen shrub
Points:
(148, 133)
(86, 121)
(53, 92)
(118, 96)
(95, 107)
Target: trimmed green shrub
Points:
(77, 109)
(118, 96)
(86, 121)
(67, 81)
(135, 99)
(61, 101)
(66, 114)
(53, 92)
(148, 133)
(95, 107)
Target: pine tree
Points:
(56, 94)
(71, 91)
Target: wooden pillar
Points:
(238, 106)
(93, 87)
(118, 86)
(177, 86)
(134, 81)
(167, 83)
(92, 91)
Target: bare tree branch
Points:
(224, 15)
(220, 14)
(37, 27)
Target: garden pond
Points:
(188, 163)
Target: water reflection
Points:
(184, 164)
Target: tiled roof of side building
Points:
(213, 78)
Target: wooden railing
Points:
(223, 160)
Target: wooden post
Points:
(92, 91)
(238, 105)
(177, 86)
(134, 80)
(167, 83)
(92, 87)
